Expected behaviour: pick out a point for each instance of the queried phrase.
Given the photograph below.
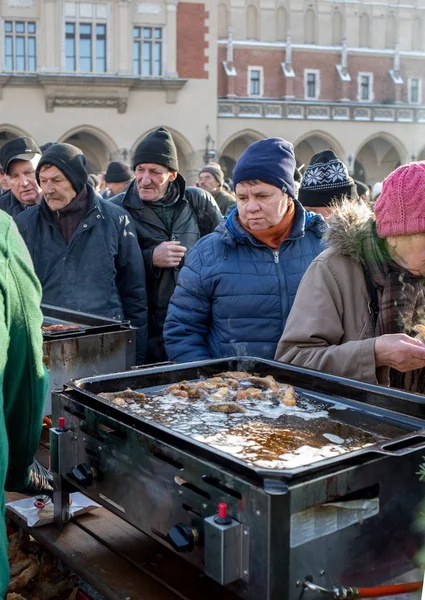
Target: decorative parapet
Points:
(242, 108)
(94, 91)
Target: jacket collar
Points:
(131, 199)
(304, 221)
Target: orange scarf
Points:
(273, 236)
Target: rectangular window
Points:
(147, 51)
(70, 55)
(85, 47)
(311, 84)
(20, 46)
(365, 87)
(255, 81)
(415, 91)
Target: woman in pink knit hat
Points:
(360, 300)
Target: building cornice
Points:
(318, 48)
(276, 108)
(110, 91)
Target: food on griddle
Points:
(124, 397)
(227, 407)
(254, 393)
(220, 393)
(286, 395)
(35, 574)
(60, 328)
(234, 387)
(420, 330)
(227, 392)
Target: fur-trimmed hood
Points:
(349, 224)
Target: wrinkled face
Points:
(325, 211)
(117, 187)
(408, 251)
(152, 181)
(208, 182)
(261, 205)
(57, 189)
(23, 183)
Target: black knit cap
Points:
(326, 180)
(157, 147)
(69, 160)
(21, 148)
(117, 171)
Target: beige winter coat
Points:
(329, 328)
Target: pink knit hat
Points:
(400, 209)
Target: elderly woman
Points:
(358, 304)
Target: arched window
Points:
(337, 29)
(310, 27)
(281, 24)
(417, 34)
(364, 31)
(252, 22)
(223, 20)
(390, 32)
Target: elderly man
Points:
(19, 158)
(118, 177)
(23, 379)
(360, 302)
(211, 179)
(169, 219)
(236, 290)
(84, 249)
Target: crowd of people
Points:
(311, 269)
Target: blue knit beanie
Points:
(271, 161)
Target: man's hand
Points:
(168, 254)
(399, 351)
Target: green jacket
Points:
(23, 379)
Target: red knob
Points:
(222, 510)
(61, 422)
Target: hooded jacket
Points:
(23, 379)
(195, 215)
(234, 293)
(330, 327)
(101, 270)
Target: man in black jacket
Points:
(19, 158)
(169, 220)
(84, 249)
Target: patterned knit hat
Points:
(325, 180)
(400, 208)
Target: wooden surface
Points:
(120, 561)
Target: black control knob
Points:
(83, 474)
(182, 537)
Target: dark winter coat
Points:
(101, 270)
(226, 202)
(234, 294)
(195, 215)
(10, 204)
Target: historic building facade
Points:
(219, 74)
(346, 75)
(103, 73)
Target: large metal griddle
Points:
(364, 400)
(286, 525)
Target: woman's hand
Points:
(399, 351)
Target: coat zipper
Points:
(276, 255)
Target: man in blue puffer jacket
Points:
(234, 293)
